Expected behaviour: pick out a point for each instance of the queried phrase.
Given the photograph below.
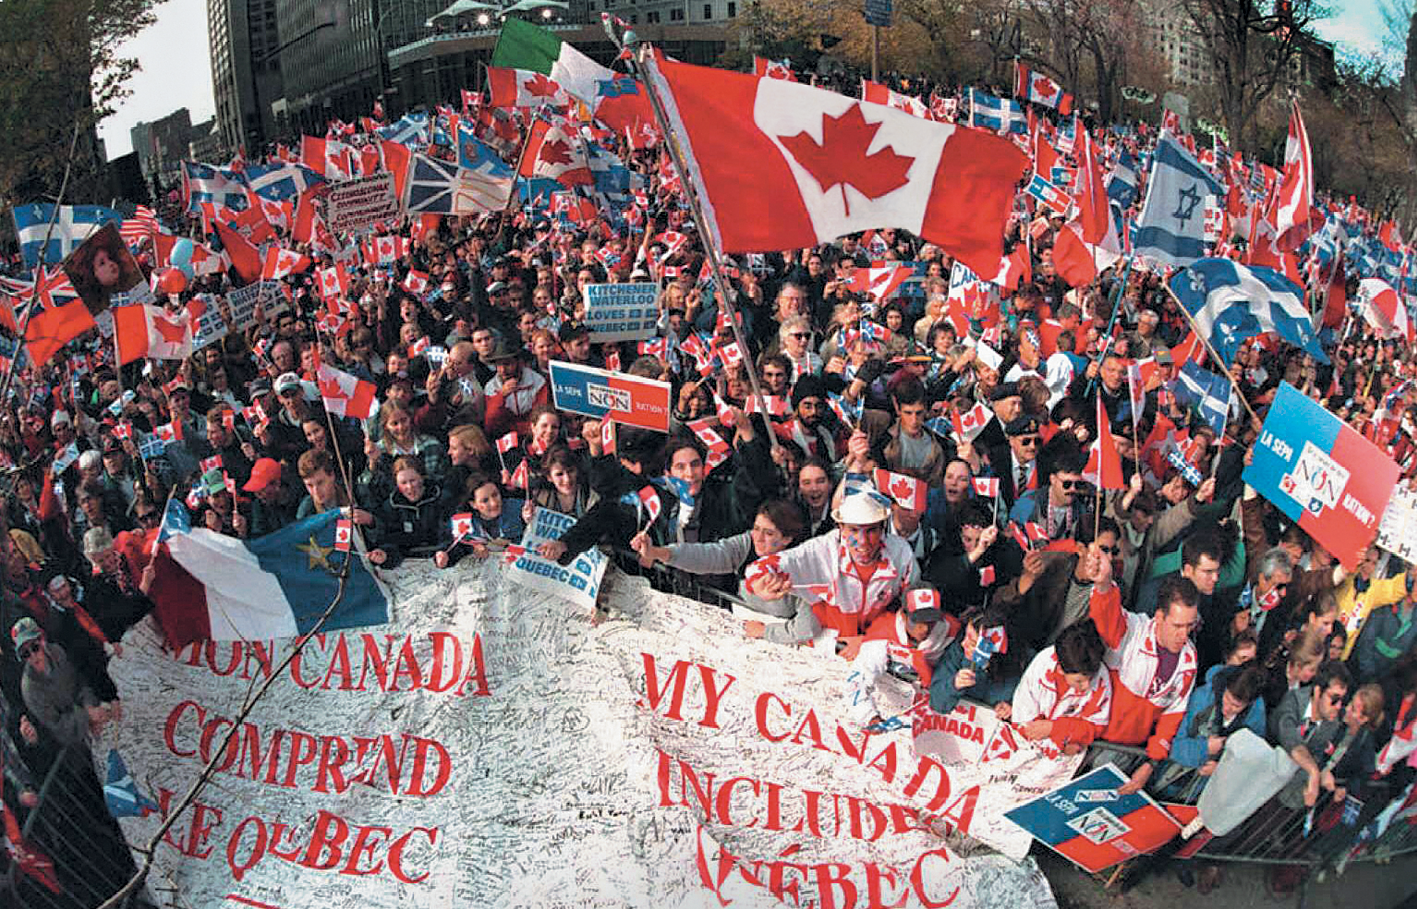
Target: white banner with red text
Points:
(490, 745)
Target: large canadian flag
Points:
(345, 395)
(1383, 309)
(782, 165)
(1296, 191)
(150, 331)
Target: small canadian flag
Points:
(507, 443)
(462, 525)
(521, 476)
(415, 282)
(607, 436)
(344, 534)
(169, 432)
(988, 487)
(212, 463)
(651, 502)
(986, 576)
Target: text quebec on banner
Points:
(489, 746)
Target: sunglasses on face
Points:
(148, 516)
(801, 334)
(1069, 484)
(1027, 440)
(1110, 550)
(27, 650)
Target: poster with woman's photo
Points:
(103, 271)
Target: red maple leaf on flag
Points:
(1043, 86)
(172, 334)
(330, 388)
(541, 87)
(902, 490)
(555, 152)
(841, 159)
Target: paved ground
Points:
(1363, 886)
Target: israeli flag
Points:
(1231, 303)
(72, 227)
(1172, 225)
(1002, 115)
(279, 182)
(1205, 393)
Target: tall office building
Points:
(246, 73)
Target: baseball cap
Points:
(263, 473)
(287, 380)
(24, 632)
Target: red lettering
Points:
(960, 813)
(830, 876)
(477, 671)
(377, 660)
(238, 871)
(725, 798)
(201, 829)
(875, 876)
(917, 881)
(302, 752)
(364, 844)
(407, 666)
(396, 854)
(209, 732)
(169, 728)
(813, 729)
(922, 773)
(441, 677)
(886, 768)
(236, 652)
(760, 713)
(421, 748)
(654, 693)
(329, 834)
(712, 695)
(339, 666)
(330, 764)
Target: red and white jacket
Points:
(1144, 710)
(1044, 694)
(823, 569)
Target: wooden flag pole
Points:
(726, 293)
(1211, 350)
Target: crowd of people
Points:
(1168, 614)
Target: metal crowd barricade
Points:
(71, 825)
(1272, 835)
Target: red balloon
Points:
(172, 281)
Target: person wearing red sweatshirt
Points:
(1152, 663)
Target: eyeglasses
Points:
(1027, 440)
(1069, 484)
(27, 650)
(1335, 699)
(1110, 550)
(148, 516)
(801, 334)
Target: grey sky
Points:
(177, 72)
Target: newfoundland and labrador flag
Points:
(782, 165)
(1230, 303)
(214, 587)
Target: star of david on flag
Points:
(1172, 224)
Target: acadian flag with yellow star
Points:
(214, 587)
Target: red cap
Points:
(265, 472)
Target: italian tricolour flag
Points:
(523, 46)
